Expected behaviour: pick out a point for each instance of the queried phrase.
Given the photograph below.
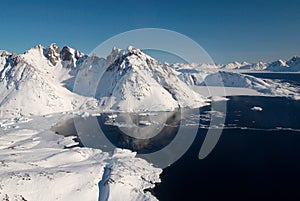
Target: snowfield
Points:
(224, 83)
(36, 164)
(47, 85)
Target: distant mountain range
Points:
(291, 65)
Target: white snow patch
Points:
(145, 123)
(112, 116)
(219, 98)
(256, 108)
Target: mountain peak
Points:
(67, 55)
(136, 81)
(38, 48)
(133, 50)
(4, 53)
(132, 58)
(294, 62)
(294, 59)
(52, 53)
(115, 53)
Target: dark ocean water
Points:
(256, 158)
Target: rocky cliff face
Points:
(52, 53)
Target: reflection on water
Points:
(161, 138)
(126, 130)
(139, 132)
(150, 132)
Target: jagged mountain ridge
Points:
(30, 85)
(280, 65)
(138, 82)
(42, 81)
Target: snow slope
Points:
(29, 84)
(264, 86)
(36, 164)
(216, 78)
(292, 65)
(137, 82)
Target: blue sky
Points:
(228, 30)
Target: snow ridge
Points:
(31, 85)
(136, 80)
(131, 81)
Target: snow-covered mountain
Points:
(42, 81)
(280, 65)
(32, 83)
(236, 65)
(259, 66)
(292, 65)
(52, 79)
(135, 81)
(230, 79)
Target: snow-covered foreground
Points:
(37, 164)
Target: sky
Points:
(229, 30)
